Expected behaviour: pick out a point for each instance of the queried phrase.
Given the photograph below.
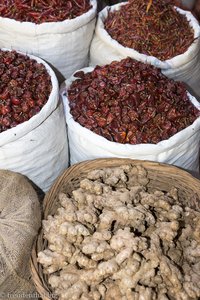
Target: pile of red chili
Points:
(157, 30)
(25, 86)
(40, 11)
(130, 102)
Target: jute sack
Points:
(20, 219)
(184, 67)
(181, 149)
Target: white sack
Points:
(38, 148)
(64, 45)
(184, 67)
(182, 149)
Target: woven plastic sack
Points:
(64, 45)
(20, 220)
(184, 67)
(38, 148)
(182, 149)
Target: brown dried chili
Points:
(130, 102)
(154, 29)
(40, 11)
(25, 86)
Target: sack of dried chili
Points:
(130, 109)
(165, 36)
(59, 31)
(33, 138)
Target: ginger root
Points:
(113, 239)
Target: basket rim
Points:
(149, 163)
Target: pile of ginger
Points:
(112, 239)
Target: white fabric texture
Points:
(38, 148)
(184, 67)
(182, 149)
(64, 45)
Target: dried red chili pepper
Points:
(24, 96)
(132, 103)
(40, 11)
(153, 28)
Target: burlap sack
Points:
(20, 219)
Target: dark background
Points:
(103, 3)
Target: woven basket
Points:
(161, 177)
